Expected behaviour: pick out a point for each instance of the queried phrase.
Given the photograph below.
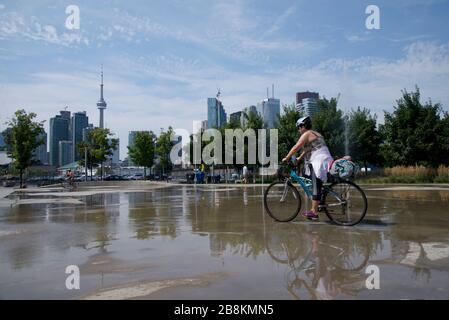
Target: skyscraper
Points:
(40, 153)
(65, 114)
(114, 159)
(65, 152)
(269, 109)
(2, 140)
(237, 118)
(101, 104)
(250, 109)
(86, 131)
(306, 102)
(131, 138)
(308, 106)
(80, 121)
(59, 131)
(204, 125)
(216, 115)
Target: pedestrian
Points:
(245, 174)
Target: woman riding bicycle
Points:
(70, 177)
(317, 160)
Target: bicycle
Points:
(343, 201)
(69, 185)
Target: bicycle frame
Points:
(306, 185)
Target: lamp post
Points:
(85, 163)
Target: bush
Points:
(442, 175)
(410, 174)
(416, 174)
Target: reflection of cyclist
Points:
(316, 272)
(324, 286)
(322, 264)
(317, 157)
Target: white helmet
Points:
(304, 121)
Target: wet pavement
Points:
(216, 242)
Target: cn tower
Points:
(101, 104)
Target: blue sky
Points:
(162, 59)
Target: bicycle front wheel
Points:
(282, 201)
(345, 203)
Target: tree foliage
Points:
(99, 145)
(22, 138)
(288, 133)
(143, 149)
(414, 133)
(329, 122)
(364, 139)
(164, 145)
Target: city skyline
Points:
(162, 60)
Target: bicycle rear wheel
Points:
(282, 201)
(349, 250)
(345, 203)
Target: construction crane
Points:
(218, 93)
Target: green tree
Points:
(330, 123)
(364, 139)
(163, 147)
(84, 148)
(102, 145)
(142, 151)
(21, 138)
(410, 132)
(253, 121)
(288, 133)
(443, 139)
(233, 124)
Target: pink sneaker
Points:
(310, 215)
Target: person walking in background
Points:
(245, 174)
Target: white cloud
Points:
(14, 25)
(236, 19)
(425, 3)
(154, 92)
(376, 83)
(281, 20)
(357, 37)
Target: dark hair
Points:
(305, 121)
(308, 125)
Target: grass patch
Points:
(409, 175)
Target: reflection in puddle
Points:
(166, 235)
